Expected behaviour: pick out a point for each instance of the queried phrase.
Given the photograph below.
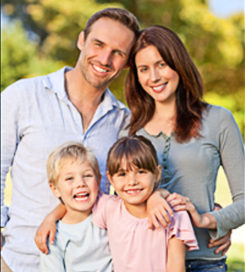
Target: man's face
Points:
(105, 52)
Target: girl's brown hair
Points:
(189, 104)
(138, 152)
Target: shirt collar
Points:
(56, 83)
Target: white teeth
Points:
(100, 69)
(86, 195)
(159, 87)
(132, 191)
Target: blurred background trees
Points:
(42, 34)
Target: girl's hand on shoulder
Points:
(159, 211)
(45, 230)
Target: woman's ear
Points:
(55, 190)
(80, 41)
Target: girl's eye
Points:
(141, 171)
(121, 174)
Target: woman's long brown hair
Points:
(189, 104)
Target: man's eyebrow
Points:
(99, 41)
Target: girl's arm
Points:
(48, 228)
(176, 255)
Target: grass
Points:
(236, 252)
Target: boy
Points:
(74, 177)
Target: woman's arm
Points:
(48, 228)
(176, 255)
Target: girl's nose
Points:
(132, 179)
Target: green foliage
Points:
(20, 56)
(16, 54)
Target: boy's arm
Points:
(176, 255)
(159, 211)
(48, 228)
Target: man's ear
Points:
(80, 41)
(110, 178)
(55, 191)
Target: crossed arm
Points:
(160, 208)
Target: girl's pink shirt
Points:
(134, 247)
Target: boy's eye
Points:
(69, 178)
(88, 176)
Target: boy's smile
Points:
(78, 188)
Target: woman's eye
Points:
(161, 64)
(143, 70)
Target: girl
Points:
(192, 138)
(134, 172)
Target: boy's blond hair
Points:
(70, 152)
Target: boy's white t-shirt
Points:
(78, 247)
(134, 247)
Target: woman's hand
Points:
(45, 230)
(224, 243)
(159, 211)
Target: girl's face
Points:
(134, 186)
(78, 187)
(155, 76)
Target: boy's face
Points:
(77, 186)
(133, 186)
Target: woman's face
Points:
(155, 76)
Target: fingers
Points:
(41, 242)
(223, 248)
(224, 243)
(159, 217)
(52, 237)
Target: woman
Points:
(193, 139)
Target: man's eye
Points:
(119, 53)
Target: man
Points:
(40, 113)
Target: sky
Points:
(225, 8)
